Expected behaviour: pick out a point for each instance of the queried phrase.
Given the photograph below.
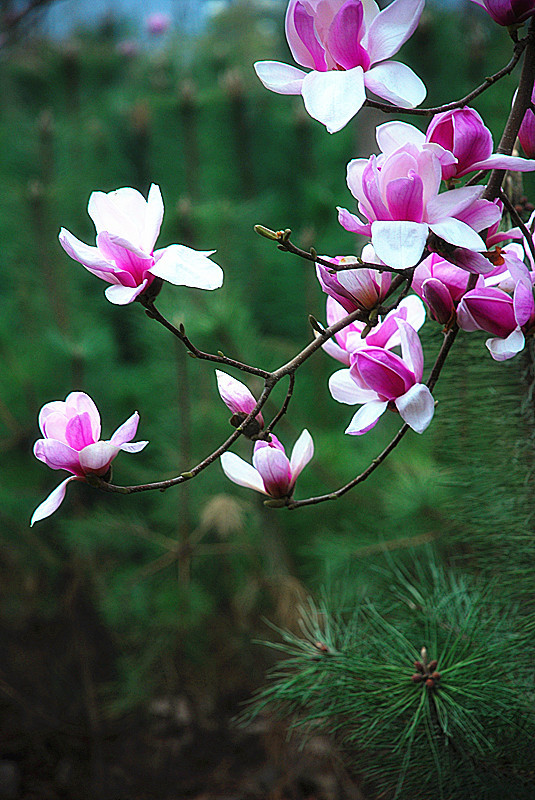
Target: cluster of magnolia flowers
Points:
(409, 206)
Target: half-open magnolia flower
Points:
(379, 378)
(241, 401)
(460, 132)
(507, 12)
(127, 228)
(272, 473)
(71, 431)
(346, 44)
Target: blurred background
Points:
(127, 624)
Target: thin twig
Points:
(284, 407)
(517, 219)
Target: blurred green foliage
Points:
(179, 581)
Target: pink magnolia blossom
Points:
(355, 288)
(460, 132)
(346, 44)
(272, 473)
(398, 194)
(71, 431)
(378, 378)
(441, 286)
(508, 12)
(526, 134)
(240, 401)
(158, 23)
(386, 334)
(127, 228)
(508, 318)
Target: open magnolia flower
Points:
(127, 228)
(71, 431)
(379, 378)
(385, 334)
(272, 473)
(342, 43)
(398, 194)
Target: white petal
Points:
(366, 417)
(183, 266)
(121, 212)
(344, 389)
(458, 233)
(52, 502)
(242, 473)
(503, 349)
(91, 257)
(153, 218)
(399, 244)
(302, 452)
(392, 27)
(133, 447)
(396, 83)
(416, 407)
(98, 456)
(122, 295)
(126, 431)
(280, 78)
(334, 97)
(393, 135)
(336, 351)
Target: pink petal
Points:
(90, 257)
(334, 97)
(452, 203)
(438, 299)
(274, 469)
(404, 198)
(392, 27)
(58, 455)
(416, 407)
(52, 502)
(396, 83)
(242, 473)
(366, 417)
(383, 372)
(302, 41)
(235, 394)
(497, 161)
(125, 432)
(344, 37)
(352, 223)
(78, 433)
(280, 78)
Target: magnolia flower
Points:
(379, 378)
(508, 318)
(354, 288)
(386, 334)
(441, 286)
(127, 228)
(240, 401)
(507, 12)
(158, 23)
(71, 431)
(271, 473)
(398, 193)
(342, 43)
(460, 132)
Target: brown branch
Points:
(517, 219)
(284, 407)
(487, 83)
